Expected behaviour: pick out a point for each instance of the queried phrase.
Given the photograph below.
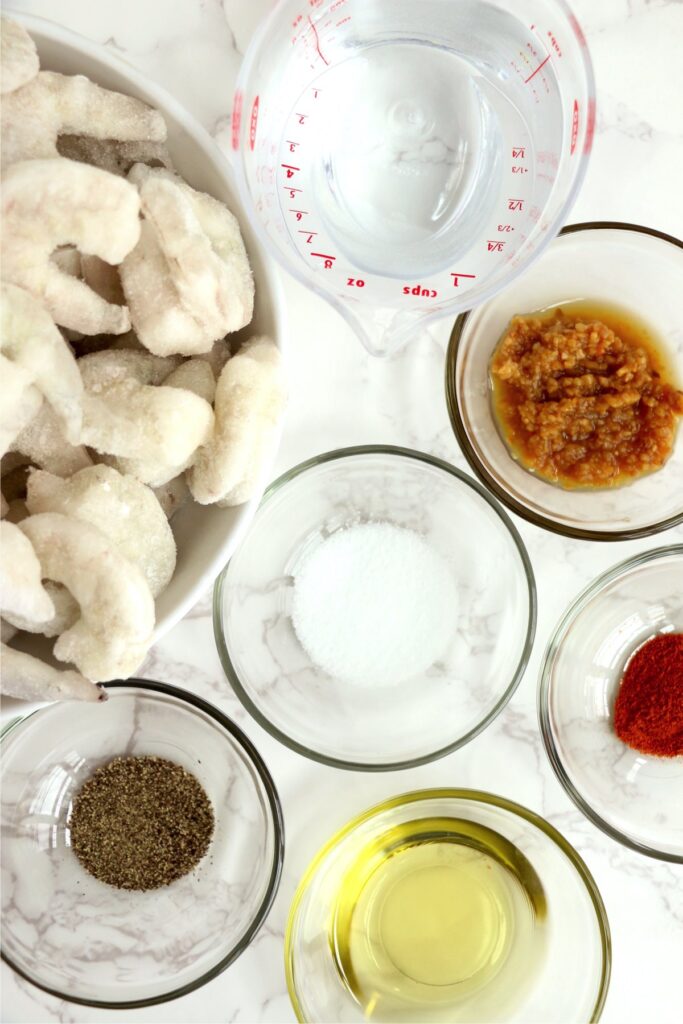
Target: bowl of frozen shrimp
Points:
(141, 359)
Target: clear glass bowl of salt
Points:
(381, 611)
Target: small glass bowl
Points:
(622, 265)
(87, 942)
(566, 986)
(408, 722)
(634, 798)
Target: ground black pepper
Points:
(140, 823)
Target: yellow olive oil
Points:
(438, 915)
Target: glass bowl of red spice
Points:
(611, 702)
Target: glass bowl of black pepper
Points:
(142, 845)
(610, 704)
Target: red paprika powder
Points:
(648, 713)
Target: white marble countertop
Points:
(193, 48)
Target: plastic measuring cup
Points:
(407, 159)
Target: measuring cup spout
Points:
(382, 332)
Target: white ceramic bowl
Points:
(206, 536)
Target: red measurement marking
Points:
(315, 93)
(355, 282)
(328, 261)
(515, 204)
(518, 152)
(495, 246)
(292, 191)
(505, 227)
(292, 145)
(554, 43)
(543, 62)
(290, 169)
(309, 235)
(236, 119)
(299, 213)
(302, 117)
(418, 289)
(253, 122)
(575, 127)
(317, 41)
(456, 278)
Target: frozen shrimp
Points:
(18, 56)
(29, 337)
(99, 370)
(202, 242)
(28, 678)
(126, 511)
(197, 250)
(250, 398)
(51, 104)
(66, 612)
(20, 402)
(111, 637)
(43, 443)
(51, 203)
(163, 426)
(194, 375)
(21, 590)
(160, 321)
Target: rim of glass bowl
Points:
(476, 796)
(277, 818)
(476, 464)
(543, 702)
(335, 762)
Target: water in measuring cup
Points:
(406, 162)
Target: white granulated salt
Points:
(374, 604)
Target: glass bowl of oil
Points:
(447, 905)
(629, 278)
